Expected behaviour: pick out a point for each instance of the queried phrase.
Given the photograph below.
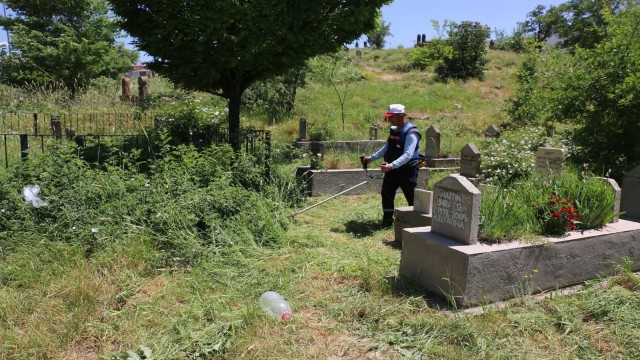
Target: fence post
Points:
(35, 124)
(24, 146)
(267, 153)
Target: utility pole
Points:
(4, 11)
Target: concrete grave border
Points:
(480, 273)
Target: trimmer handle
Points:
(364, 164)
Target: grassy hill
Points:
(123, 265)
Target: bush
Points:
(431, 55)
(468, 52)
(191, 204)
(511, 157)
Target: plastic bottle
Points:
(275, 305)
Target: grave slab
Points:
(480, 273)
(406, 217)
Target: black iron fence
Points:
(102, 147)
(79, 123)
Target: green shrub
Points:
(431, 55)
(467, 59)
(510, 157)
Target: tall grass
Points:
(509, 213)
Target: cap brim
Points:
(389, 115)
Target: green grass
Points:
(183, 252)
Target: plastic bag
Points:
(30, 193)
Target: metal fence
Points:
(80, 123)
(99, 148)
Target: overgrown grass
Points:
(182, 250)
(510, 213)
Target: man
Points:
(400, 165)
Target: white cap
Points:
(394, 109)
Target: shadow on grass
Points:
(361, 229)
(407, 287)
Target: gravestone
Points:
(143, 92)
(373, 133)
(492, 132)
(432, 142)
(418, 42)
(630, 202)
(616, 189)
(422, 201)
(456, 209)
(550, 161)
(302, 130)
(359, 54)
(424, 39)
(56, 126)
(126, 88)
(470, 161)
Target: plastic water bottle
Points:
(275, 305)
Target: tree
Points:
(595, 91)
(70, 42)
(224, 46)
(580, 23)
(339, 72)
(467, 59)
(376, 37)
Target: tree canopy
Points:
(224, 46)
(62, 41)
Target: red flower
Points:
(556, 214)
(554, 193)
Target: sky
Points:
(409, 18)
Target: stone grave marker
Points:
(359, 54)
(470, 161)
(616, 189)
(302, 130)
(432, 142)
(630, 202)
(492, 132)
(56, 126)
(422, 201)
(550, 161)
(456, 209)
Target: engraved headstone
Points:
(630, 202)
(456, 209)
(418, 42)
(432, 142)
(550, 161)
(422, 201)
(424, 38)
(470, 161)
(492, 132)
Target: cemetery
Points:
(222, 205)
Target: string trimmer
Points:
(366, 173)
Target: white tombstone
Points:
(456, 209)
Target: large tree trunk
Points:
(234, 121)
